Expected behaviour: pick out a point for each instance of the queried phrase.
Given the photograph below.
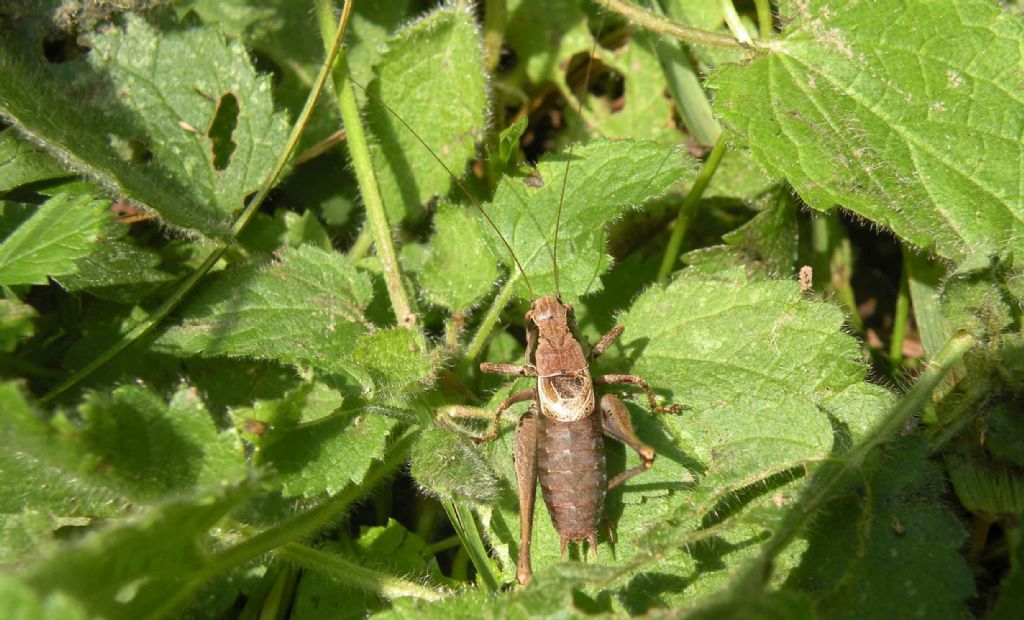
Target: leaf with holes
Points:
(907, 113)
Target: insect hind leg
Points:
(616, 424)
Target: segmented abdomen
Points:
(570, 465)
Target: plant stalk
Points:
(369, 189)
(765, 25)
(732, 20)
(899, 321)
(483, 331)
(349, 573)
(704, 177)
(659, 23)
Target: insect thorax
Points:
(567, 397)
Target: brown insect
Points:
(560, 440)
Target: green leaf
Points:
(544, 36)
(311, 444)
(1011, 589)
(138, 566)
(160, 447)
(508, 141)
(22, 162)
(878, 107)
(605, 178)
(21, 602)
(50, 242)
(441, 49)
(395, 362)
(179, 102)
(766, 245)
(17, 322)
(773, 387)
(460, 268)
(446, 465)
(46, 471)
(896, 542)
(304, 308)
(117, 270)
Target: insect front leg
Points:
(525, 452)
(640, 383)
(616, 424)
(518, 397)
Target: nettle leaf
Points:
(306, 308)
(310, 443)
(605, 178)
(460, 268)
(441, 50)
(138, 566)
(906, 541)
(544, 35)
(773, 387)
(46, 471)
(49, 243)
(117, 270)
(445, 464)
(212, 123)
(22, 162)
(888, 111)
(159, 447)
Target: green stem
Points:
(359, 152)
(732, 20)
(685, 87)
(158, 315)
(675, 242)
(828, 475)
(924, 279)
(461, 518)
(442, 545)
(899, 321)
(490, 319)
(495, 18)
(351, 574)
(660, 23)
(278, 598)
(298, 526)
(765, 26)
(361, 245)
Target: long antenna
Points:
(456, 180)
(568, 159)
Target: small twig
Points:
(320, 148)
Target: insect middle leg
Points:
(518, 397)
(616, 424)
(640, 383)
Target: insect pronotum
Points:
(559, 441)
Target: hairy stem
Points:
(764, 19)
(704, 177)
(659, 23)
(351, 574)
(359, 152)
(461, 517)
(732, 20)
(333, 50)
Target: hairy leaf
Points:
(304, 308)
(460, 268)
(605, 178)
(905, 540)
(139, 566)
(440, 49)
(902, 111)
(49, 243)
(17, 322)
(313, 446)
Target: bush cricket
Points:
(559, 441)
